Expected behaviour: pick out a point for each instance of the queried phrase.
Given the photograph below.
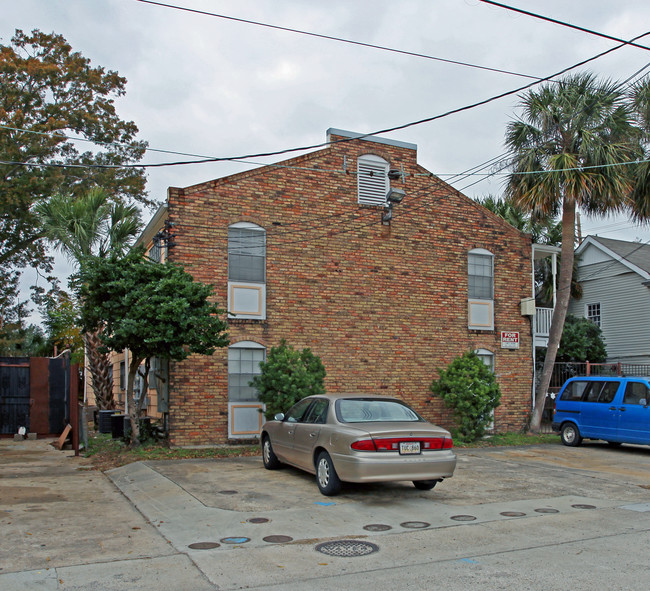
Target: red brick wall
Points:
(383, 306)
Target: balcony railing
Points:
(543, 317)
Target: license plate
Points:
(409, 447)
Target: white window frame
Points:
(480, 311)
(372, 180)
(595, 318)
(488, 358)
(247, 299)
(245, 417)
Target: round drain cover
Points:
(377, 527)
(235, 540)
(464, 518)
(415, 524)
(513, 514)
(258, 520)
(546, 510)
(204, 545)
(347, 548)
(278, 539)
(579, 506)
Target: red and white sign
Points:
(509, 340)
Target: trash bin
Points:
(117, 425)
(104, 421)
(144, 422)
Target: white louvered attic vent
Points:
(372, 180)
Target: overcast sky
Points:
(216, 87)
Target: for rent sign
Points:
(509, 340)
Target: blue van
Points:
(610, 408)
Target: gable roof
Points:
(634, 255)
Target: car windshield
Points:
(370, 410)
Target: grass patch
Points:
(106, 453)
(509, 439)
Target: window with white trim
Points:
(487, 357)
(372, 180)
(246, 271)
(480, 289)
(593, 313)
(243, 365)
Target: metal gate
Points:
(14, 394)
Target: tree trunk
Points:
(560, 312)
(99, 365)
(132, 404)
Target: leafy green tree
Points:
(470, 389)
(567, 151)
(49, 94)
(87, 226)
(582, 340)
(287, 377)
(151, 309)
(61, 319)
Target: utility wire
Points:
(565, 24)
(339, 39)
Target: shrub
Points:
(287, 377)
(470, 389)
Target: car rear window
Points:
(368, 410)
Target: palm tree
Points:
(569, 149)
(90, 226)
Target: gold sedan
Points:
(358, 438)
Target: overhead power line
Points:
(338, 39)
(565, 24)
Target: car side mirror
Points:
(643, 402)
(279, 416)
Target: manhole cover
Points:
(278, 539)
(258, 520)
(415, 524)
(513, 514)
(579, 506)
(227, 492)
(235, 540)
(347, 548)
(204, 545)
(546, 510)
(463, 518)
(377, 527)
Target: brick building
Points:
(386, 292)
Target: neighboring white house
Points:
(615, 278)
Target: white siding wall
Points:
(624, 306)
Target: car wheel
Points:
(328, 480)
(570, 435)
(425, 484)
(269, 458)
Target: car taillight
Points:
(364, 445)
(392, 443)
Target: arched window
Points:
(372, 180)
(487, 357)
(480, 289)
(246, 271)
(243, 365)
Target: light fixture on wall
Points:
(395, 195)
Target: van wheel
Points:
(570, 435)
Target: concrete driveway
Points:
(511, 518)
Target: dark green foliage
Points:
(287, 377)
(470, 389)
(152, 309)
(582, 341)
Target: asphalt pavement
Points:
(539, 517)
